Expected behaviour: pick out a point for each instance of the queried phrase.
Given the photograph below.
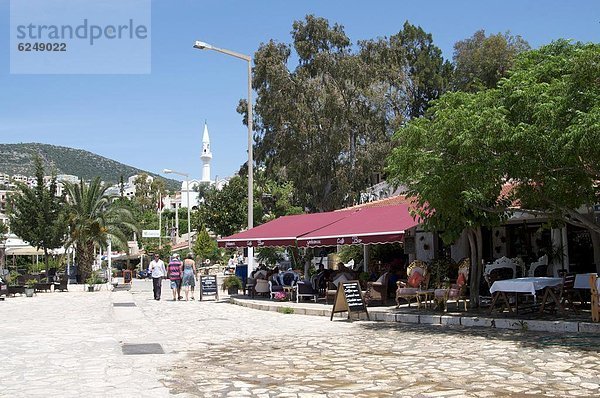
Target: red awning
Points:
(282, 231)
(363, 226)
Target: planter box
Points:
(232, 290)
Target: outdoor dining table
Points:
(582, 281)
(529, 285)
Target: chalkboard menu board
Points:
(208, 286)
(126, 276)
(349, 298)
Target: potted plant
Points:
(30, 287)
(232, 284)
(92, 281)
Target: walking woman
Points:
(189, 275)
(175, 276)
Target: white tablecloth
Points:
(524, 285)
(582, 281)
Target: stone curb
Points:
(444, 320)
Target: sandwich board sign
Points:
(208, 286)
(349, 298)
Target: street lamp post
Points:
(187, 183)
(205, 46)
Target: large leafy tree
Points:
(448, 164)
(148, 191)
(37, 215)
(94, 220)
(539, 131)
(225, 211)
(326, 124)
(553, 158)
(480, 61)
(206, 247)
(409, 72)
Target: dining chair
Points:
(457, 291)
(418, 279)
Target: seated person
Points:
(288, 278)
(347, 272)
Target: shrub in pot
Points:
(30, 287)
(232, 284)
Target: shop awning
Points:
(363, 226)
(282, 231)
(24, 251)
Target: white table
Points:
(582, 281)
(523, 285)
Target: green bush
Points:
(232, 281)
(31, 283)
(93, 279)
(286, 310)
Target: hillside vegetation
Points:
(18, 159)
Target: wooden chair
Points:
(568, 292)
(595, 298)
(561, 296)
(378, 290)
(408, 290)
(458, 290)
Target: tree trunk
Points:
(476, 248)
(85, 258)
(46, 259)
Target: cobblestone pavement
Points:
(69, 344)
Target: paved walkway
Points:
(70, 344)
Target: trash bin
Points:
(241, 271)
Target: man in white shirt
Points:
(158, 272)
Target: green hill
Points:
(18, 159)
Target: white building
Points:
(206, 156)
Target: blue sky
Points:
(155, 121)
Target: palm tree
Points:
(94, 220)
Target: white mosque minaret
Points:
(206, 155)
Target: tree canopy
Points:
(37, 214)
(94, 219)
(326, 124)
(537, 132)
(480, 61)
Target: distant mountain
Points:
(18, 159)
